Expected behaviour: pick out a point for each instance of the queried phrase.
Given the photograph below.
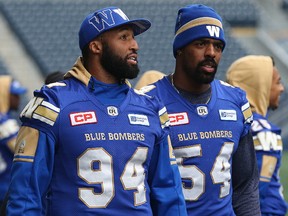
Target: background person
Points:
(260, 78)
(10, 95)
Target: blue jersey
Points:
(268, 146)
(78, 156)
(8, 132)
(205, 138)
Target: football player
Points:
(210, 121)
(91, 145)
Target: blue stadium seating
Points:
(3, 68)
(285, 4)
(49, 30)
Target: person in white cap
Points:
(11, 92)
(90, 144)
(210, 121)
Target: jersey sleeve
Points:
(34, 155)
(165, 182)
(247, 114)
(42, 111)
(245, 179)
(266, 165)
(164, 177)
(31, 172)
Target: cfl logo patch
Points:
(81, 118)
(202, 110)
(112, 111)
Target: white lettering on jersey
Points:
(228, 115)
(81, 118)
(178, 118)
(214, 31)
(202, 110)
(137, 119)
(269, 141)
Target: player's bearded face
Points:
(200, 75)
(117, 65)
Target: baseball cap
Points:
(17, 88)
(194, 22)
(106, 19)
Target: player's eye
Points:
(219, 46)
(124, 37)
(199, 43)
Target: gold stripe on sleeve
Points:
(47, 113)
(247, 113)
(268, 167)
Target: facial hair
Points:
(116, 65)
(200, 76)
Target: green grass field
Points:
(284, 174)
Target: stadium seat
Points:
(3, 68)
(285, 4)
(49, 30)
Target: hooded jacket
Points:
(149, 77)
(254, 75)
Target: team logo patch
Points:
(81, 118)
(228, 115)
(202, 110)
(104, 19)
(21, 147)
(137, 119)
(112, 111)
(178, 118)
(214, 31)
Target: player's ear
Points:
(179, 52)
(95, 46)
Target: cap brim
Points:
(139, 25)
(18, 91)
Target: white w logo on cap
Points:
(214, 31)
(121, 13)
(102, 17)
